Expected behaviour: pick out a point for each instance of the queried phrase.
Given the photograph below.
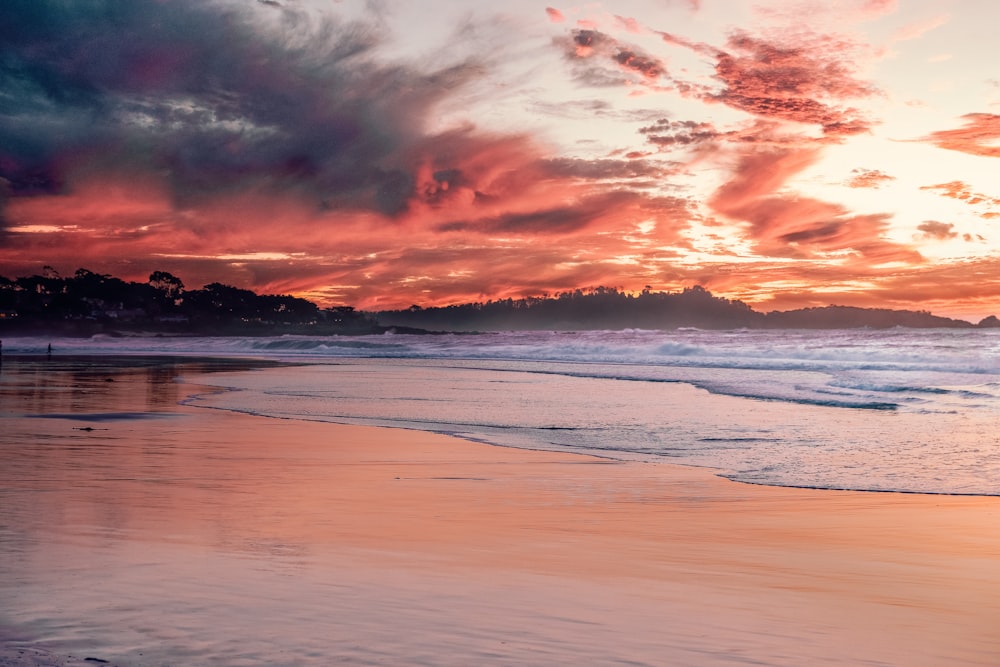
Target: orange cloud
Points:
(988, 207)
(941, 231)
(804, 80)
(783, 224)
(868, 178)
(787, 82)
(979, 136)
(969, 289)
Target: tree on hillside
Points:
(217, 302)
(284, 309)
(169, 286)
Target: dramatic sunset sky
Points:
(382, 153)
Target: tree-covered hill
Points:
(88, 302)
(606, 308)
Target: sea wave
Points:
(865, 369)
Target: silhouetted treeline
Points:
(849, 317)
(91, 302)
(599, 308)
(608, 308)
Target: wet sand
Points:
(175, 535)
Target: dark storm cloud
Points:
(211, 96)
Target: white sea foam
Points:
(887, 368)
(901, 410)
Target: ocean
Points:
(146, 522)
(898, 410)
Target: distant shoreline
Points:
(88, 304)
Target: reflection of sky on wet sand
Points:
(214, 538)
(92, 385)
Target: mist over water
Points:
(888, 410)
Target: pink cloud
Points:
(555, 15)
(805, 80)
(876, 8)
(979, 136)
(987, 206)
(785, 225)
(788, 82)
(697, 47)
(868, 178)
(629, 24)
(920, 28)
(760, 173)
(942, 231)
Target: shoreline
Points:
(652, 555)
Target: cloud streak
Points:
(979, 136)
(786, 225)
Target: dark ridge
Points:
(608, 308)
(89, 303)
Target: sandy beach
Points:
(178, 535)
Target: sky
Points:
(383, 153)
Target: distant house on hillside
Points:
(173, 319)
(125, 314)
